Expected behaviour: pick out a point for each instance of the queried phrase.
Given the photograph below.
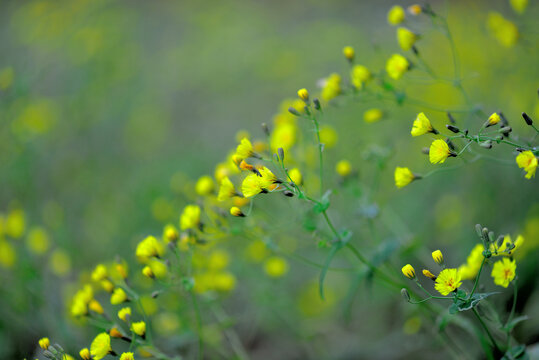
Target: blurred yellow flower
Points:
(504, 272)
(527, 161)
(38, 240)
(406, 38)
(123, 313)
(218, 260)
(438, 257)
(283, 136)
(296, 176)
(421, 125)
(85, 354)
(276, 266)
(328, 136)
(439, 151)
(15, 223)
(502, 29)
(224, 281)
(396, 66)
(60, 262)
(360, 75)
(403, 176)
(473, 263)
(99, 273)
(447, 281)
(226, 190)
(348, 53)
(244, 149)
(100, 346)
(127, 356)
(44, 343)
(331, 87)
(118, 296)
(519, 5)
(190, 217)
(170, 233)
(396, 15)
(148, 248)
(7, 254)
(95, 306)
(204, 185)
(372, 115)
(236, 211)
(139, 328)
(251, 185)
(159, 269)
(303, 94)
(343, 168)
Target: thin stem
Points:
(199, 326)
(486, 329)
(477, 278)
(317, 128)
(513, 307)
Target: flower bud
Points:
(236, 211)
(280, 152)
(505, 130)
(408, 271)
(303, 94)
(317, 105)
(527, 119)
(453, 128)
(428, 274)
(438, 257)
(293, 111)
(405, 294)
(349, 53)
(288, 193)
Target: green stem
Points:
(199, 326)
(477, 278)
(486, 329)
(317, 128)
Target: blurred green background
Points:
(108, 105)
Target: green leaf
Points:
(334, 248)
(514, 322)
(323, 204)
(464, 305)
(516, 352)
(454, 308)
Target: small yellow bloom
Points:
(396, 15)
(267, 179)
(303, 94)
(244, 149)
(224, 281)
(15, 223)
(118, 296)
(527, 161)
(227, 190)
(123, 313)
(439, 151)
(251, 185)
(8, 254)
(343, 168)
(408, 271)
(107, 285)
(190, 217)
(170, 233)
(38, 240)
(415, 9)
(276, 266)
(493, 119)
(100, 346)
(447, 281)
(473, 263)
(328, 136)
(331, 87)
(360, 75)
(139, 328)
(428, 274)
(507, 247)
(44, 343)
(158, 268)
(519, 5)
(422, 125)
(99, 273)
(372, 115)
(115, 333)
(204, 185)
(147, 271)
(403, 176)
(236, 211)
(396, 66)
(348, 52)
(148, 248)
(502, 29)
(504, 272)
(95, 306)
(438, 257)
(296, 176)
(127, 356)
(406, 38)
(85, 354)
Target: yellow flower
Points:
(439, 151)
(44, 343)
(95, 306)
(127, 356)
(204, 185)
(331, 87)
(170, 233)
(296, 176)
(15, 223)
(124, 313)
(504, 272)
(473, 263)
(343, 168)
(118, 296)
(415, 9)
(447, 281)
(527, 161)
(493, 119)
(267, 179)
(422, 125)
(7, 254)
(408, 271)
(38, 240)
(148, 248)
(403, 176)
(328, 136)
(226, 191)
(396, 66)
(107, 285)
(218, 260)
(236, 211)
(406, 38)
(519, 5)
(428, 274)
(303, 94)
(115, 333)
(251, 185)
(359, 75)
(244, 149)
(99, 273)
(502, 29)
(438, 257)
(59, 262)
(507, 247)
(190, 217)
(100, 346)
(395, 15)
(372, 115)
(85, 354)
(224, 281)
(139, 328)
(283, 136)
(276, 266)
(158, 268)
(348, 52)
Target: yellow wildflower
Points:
(148, 248)
(95, 306)
(439, 151)
(504, 272)
(107, 285)
(519, 5)
(447, 281)
(85, 354)
(236, 211)
(348, 53)
(139, 328)
(428, 274)
(7, 254)
(372, 115)
(44, 343)
(396, 15)
(99, 273)
(328, 136)
(267, 178)
(224, 281)
(118, 296)
(502, 29)
(244, 149)
(331, 87)
(438, 257)
(422, 125)
(204, 185)
(100, 346)
(38, 240)
(127, 356)
(283, 136)
(303, 94)
(406, 38)
(15, 223)
(123, 313)
(226, 191)
(158, 268)
(408, 271)
(493, 119)
(276, 266)
(473, 263)
(115, 333)
(343, 168)
(251, 185)
(403, 176)
(170, 233)
(296, 176)
(360, 75)
(527, 161)
(190, 217)
(396, 66)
